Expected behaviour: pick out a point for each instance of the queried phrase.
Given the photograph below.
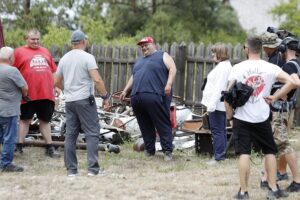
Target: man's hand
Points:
(123, 95)
(57, 91)
(168, 89)
(270, 99)
(105, 104)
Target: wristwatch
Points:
(105, 97)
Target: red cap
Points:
(146, 40)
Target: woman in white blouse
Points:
(216, 83)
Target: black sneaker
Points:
(51, 152)
(277, 194)
(19, 148)
(148, 154)
(282, 177)
(242, 196)
(293, 187)
(264, 185)
(12, 168)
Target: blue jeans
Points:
(217, 123)
(8, 134)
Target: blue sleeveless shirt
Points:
(150, 74)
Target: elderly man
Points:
(12, 87)
(151, 94)
(77, 75)
(37, 67)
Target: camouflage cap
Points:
(270, 40)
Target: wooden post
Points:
(180, 61)
(108, 68)
(199, 75)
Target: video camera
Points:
(281, 33)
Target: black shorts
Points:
(246, 134)
(42, 108)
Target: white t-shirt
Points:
(216, 83)
(260, 75)
(74, 66)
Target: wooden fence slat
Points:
(108, 68)
(199, 74)
(123, 68)
(189, 85)
(115, 69)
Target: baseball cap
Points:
(77, 36)
(145, 40)
(270, 40)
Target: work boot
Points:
(51, 152)
(19, 148)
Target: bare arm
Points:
(289, 84)
(100, 86)
(24, 90)
(228, 108)
(127, 88)
(59, 82)
(170, 64)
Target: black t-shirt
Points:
(276, 59)
(290, 68)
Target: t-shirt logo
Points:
(257, 83)
(39, 63)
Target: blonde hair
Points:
(221, 51)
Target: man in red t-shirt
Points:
(37, 67)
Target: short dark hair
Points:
(254, 43)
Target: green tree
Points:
(290, 12)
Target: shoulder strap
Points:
(297, 66)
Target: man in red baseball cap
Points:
(151, 95)
(145, 40)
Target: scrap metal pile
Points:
(118, 124)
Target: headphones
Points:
(284, 44)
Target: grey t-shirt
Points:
(11, 82)
(74, 66)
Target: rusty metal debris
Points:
(118, 124)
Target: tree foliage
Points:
(122, 20)
(290, 12)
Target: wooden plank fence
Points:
(193, 63)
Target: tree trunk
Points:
(26, 5)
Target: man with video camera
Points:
(281, 113)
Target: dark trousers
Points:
(153, 114)
(217, 123)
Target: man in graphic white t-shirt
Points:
(251, 121)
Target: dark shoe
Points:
(19, 148)
(148, 154)
(264, 185)
(113, 148)
(242, 196)
(277, 194)
(168, 156)
(281, 177)
(293, 187)
(12, 168)
(51, 152)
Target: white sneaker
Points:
(73, 175)
(212, 162)
(100, 173)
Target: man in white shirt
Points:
(251, 121)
